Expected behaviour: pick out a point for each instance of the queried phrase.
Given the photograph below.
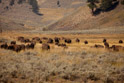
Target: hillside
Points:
(82, 19)
(24, 13)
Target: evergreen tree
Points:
(92, 4)
(105, 4)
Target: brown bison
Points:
(16, 48)
(104, 40)
(50, 40)
(45, 47)
(85, 42)
(20, 38)
(77, 40)
(98, 46)
(56, 39)
(117, 47)
(36, 39)
(30, 46)
(5, 46)
(40, 42)
(106, 45)
(44, 38)
(120, 41)
(68, 41)
(13, 42)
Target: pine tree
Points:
(92, 4)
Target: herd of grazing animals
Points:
(30, 44)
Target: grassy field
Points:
(79, 63)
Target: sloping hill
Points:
(22, 12)
(82, 19)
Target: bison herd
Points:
(30, 43)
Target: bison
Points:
(30, 46)
(117, 47)
(98, 46)
(106, 45)
(36, 39)
(16, 48)
(120, 41)
(45, 47)
(85, 42)
(50, 40)
(77, 40)
(68, 41)
(56, 39)
(20, 38)
(104, 40)
(5, 46)
(13, 42)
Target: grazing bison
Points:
(40, 42)
(36, 39)
(106, 45)
(50, 40)
(45, 47)
(77, 40)
(30, 46)
(104, 40)
(13, 42)
(68, 41)
(5, 46)
(98, 46)
(22, 46)
(85, 42)
(56, 39)
(26, 41)
(16, 48)
(62, 45)
(44, 38)
(120, 41)
(20, 38)
(117, 47)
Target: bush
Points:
(34, 6)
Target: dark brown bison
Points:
(50, 40)
(120, 41)
(56, 39)
(44, 38)
(26, 41)
(5, 46)
(30, 46)
(22, 46)
(45, 47)
(85, 42)
(16, 48)
(98, 46)
(104, 40)
(62, 45)
(13, 42)
(40, 42)
(106, 45)
(36, 39)
(68, 41)
(117, 47)
(20, 38)
(77, 40)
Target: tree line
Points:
(102, 5)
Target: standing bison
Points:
(45, 47)
(68, 41)
(77, 40)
